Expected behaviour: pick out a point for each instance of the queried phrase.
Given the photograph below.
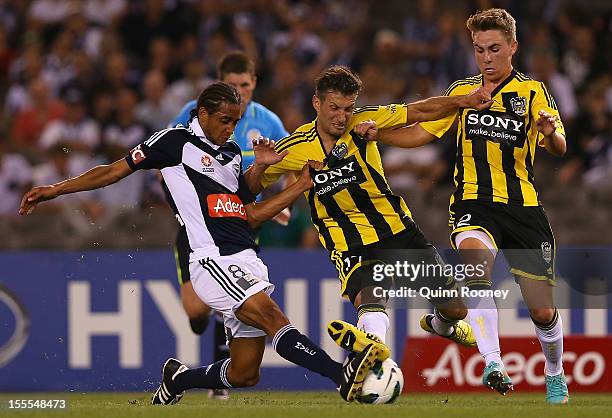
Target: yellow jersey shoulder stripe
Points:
(549, 99)
(466, 81)
(298, 139)
(369, 108)
(522, 77)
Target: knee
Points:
(455, 314)
(244, 379)
(542, 315)
(366, 297)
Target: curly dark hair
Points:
(337, 78)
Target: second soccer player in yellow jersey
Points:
(351, 204)
(495, 205)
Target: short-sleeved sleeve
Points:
(543, 100)
(289, 164)
(386, 117)
(162, 149)
(439, 127)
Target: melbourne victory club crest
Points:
(547, 251)
(519, 105)
(340, 151)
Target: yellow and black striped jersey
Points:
(496, 147)
(351, 203)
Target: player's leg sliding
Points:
(551, 339)
(291, 345)
(295, 347)
(260, 311)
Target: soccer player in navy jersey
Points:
(237, 70)
(202, 170)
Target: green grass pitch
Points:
(311, 405)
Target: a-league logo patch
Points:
(207, 163)
(546, 251)
(519, 105)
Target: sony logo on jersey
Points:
(505, 128)
(339, 177)
(495, 121)
(137, 154)
(225, 205)
(339, 172)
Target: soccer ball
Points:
(383, 384)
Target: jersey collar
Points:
(503, 83)
(195, 127)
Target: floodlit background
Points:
(88, 292)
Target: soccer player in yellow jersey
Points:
(352, 207)
(496, 205)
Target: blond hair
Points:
(493, 19)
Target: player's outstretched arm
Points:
(258, 213)
(406, 137)
(553, 141)
(265, 156)
(436, 108)
(97, 177)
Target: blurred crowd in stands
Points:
(81, 82)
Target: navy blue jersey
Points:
(206, 186)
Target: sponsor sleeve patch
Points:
(137, 154)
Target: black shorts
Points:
(181, 255)
(356, 267)
(523, 233)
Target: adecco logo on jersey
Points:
(224, 205)
(433, 365)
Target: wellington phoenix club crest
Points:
(340, 151)
(519, 105)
